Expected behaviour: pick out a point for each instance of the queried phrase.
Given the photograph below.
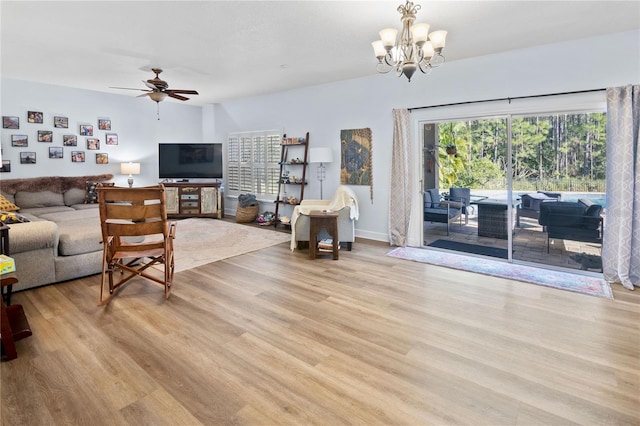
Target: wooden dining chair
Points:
(136, 236)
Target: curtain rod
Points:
(508, 99)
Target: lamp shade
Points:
(130, 168)
(321, 155)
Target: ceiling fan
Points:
(159, 89)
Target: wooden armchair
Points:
(136, 236)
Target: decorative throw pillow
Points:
(6, 205)
(9, 218)
(91, 197)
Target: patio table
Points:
(493, 217)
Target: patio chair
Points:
(463, 196)
(136, 236)
(439, 210)
(530, 204)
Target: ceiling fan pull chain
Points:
(158, 105)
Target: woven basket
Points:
(247, 214)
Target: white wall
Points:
(324, 110)
(134, 119)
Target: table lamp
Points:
(130, 169)
(322, 156)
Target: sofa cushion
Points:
(561, 213)
(79, 231)
(10, 218)
(35, 235)
(38, 211)
(79, 236)
(73, 215)
(7, 205)
(27, 200)
(84, 206)
(74, 196)
(431, 198)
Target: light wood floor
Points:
(272, 338)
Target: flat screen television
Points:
(190, 160)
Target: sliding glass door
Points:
(558, 174)
(489, 184)
(466, 201)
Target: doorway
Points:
(510, 165)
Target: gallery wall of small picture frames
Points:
(89, 137)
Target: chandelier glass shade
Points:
(415, 49)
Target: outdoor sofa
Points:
(575, 221)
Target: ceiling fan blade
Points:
(186, 92)
(143, 95)
(173, 95)
(127, 88)
(149, 85)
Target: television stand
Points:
(185, 199)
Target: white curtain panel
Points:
(621, 240)
(400, 187)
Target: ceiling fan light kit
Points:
(157, 96)
(159, 90)
(415, 49)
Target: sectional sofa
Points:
(62, 239)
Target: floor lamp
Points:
(322, 156)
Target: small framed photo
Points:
(77, 156)
(61, 122)
(45, 136)
(55, 152)
(9, 122)
(112, 139)
(104, 124)
(27, 158)
(69, 140)
(93, 143)
(19, 140)
(102, 158)
(6, 166)
(34, 116)
(86, 130)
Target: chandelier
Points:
(416, 48)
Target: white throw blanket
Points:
(343, 197)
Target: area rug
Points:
(529, 274)
(470, 248)
(200, 241)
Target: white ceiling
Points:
(233, 49)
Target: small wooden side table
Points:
(13, 322)
(319, 220)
